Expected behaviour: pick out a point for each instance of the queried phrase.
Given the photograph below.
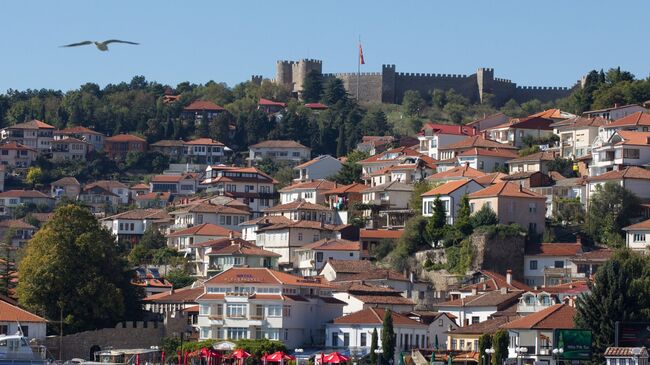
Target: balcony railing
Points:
(215, 317)
(256, 317)
(236, 316)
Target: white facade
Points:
(451, 200)
(285, 241)
(36, 330)
(535, 265)
(311, 261)
(231, 218)
(429, 144)
(290, 152)
(483, 163)
(320, 167)
(616, 112)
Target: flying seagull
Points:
(102, 46)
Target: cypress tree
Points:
(500, 344)
(388, 338)
(373, 347)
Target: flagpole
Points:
(358, 67)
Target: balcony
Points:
(216, 320)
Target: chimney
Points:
(474, 292)
(467, 164)
(520, 188)
(579, 239)
(231, 235)
(504, 290)
(509, 277)
(615, 105)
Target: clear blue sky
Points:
(540, 43)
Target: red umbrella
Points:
(240, 354)
(162, 357)
(335, 358)
(278, 357)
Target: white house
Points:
(531, 163)
(626, 355)
(515, 131)
(577, 135)
(310, 191)
(129, 226)
(623, 148)
(433, 136)
(287, 151)
(486, 160)
(12, 199)
(321, 167)
(184, 184)
(478, 308)
(115, 187)
(12, 316)
(205, 151)
(249, 228)
(616, 112)
(34, 134)
(438, 324)
(637, 236)
(354, 331)
(451, 194)
(636, 122)
(313, 256)
(255, 303)
(392, 199)
(634, 178)
(183, 240)
(550, 263)
(206, 212)
(95, 139)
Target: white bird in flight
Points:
(102, 46)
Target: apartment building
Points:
(320, 167)
(128, 227)
(205, 151)
(246, 184)
(34, 134)
(287, 151)
(623, 148)
(433, 136)
(184, 184)
(69, 149)
(577, 135)
(93, 138)
(117, 147)
(310, 191)
(206, 212)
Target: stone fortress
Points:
(388, 86)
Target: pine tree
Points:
(388, 338)
(484, 342)
(373, 347)
(484, 217)
(437, 221)
(462, 222)
(312, 87)
(500, 341)
(340, 142)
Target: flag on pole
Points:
(361, 60)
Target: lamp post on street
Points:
(556, 354)
(489, 353)
(379, 353)
(521, 351)
(298, 351)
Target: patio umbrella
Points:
(433, 357)
(278, 357)
(162, 357)
(335, 358)
(240, 354)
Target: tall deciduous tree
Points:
(412, 103)
(610, 209)
(388, 338)
(72, 266)
(620, 292)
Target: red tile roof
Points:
(297, 205)
(204, 141)
(265, 276)
(494, 281)
(630, 172)
(463, 171)
(140, 186)
(454, 129)
(268, 219)
(237, 246)
(319, 184)
(183, 295)
(632, 138)
(490, 179)
(316, 106)
(205, 229)
(505, 189)
(22, 194)
(376, 316)
(332, 245)
(447, 188)
(559, 316)
(626, 352)
(489, 152)
(380, 233)
(164, 196)
(277, 144)
(32, 124)
(15, 146)
(267, 102)
(77, 130)
(345, 189)
(399, 153)
(476, 141)
(641, 226)
(12, 313)
(16, 224)
(124, 138)
(350, 266)
(201, 105)
(634, 119)
(553, 249)
(539, 156)
(488, 299)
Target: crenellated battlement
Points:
(311, 60)
(503, 80)
(431, 75)
(285, 62)
(347, 74)
(543, 88)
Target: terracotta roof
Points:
(626, 352)
(490, 326)
(277, 144)
(399, 152)
(138, 214)
(15, 146)
(205, 229)
(204, 141)
(552, 114)
(490, 179)
(66, 181)
(319, 184)
(521, 175)
(447, 188)
(463, 171)
(505, 189)
(169, 178)
(360, 287)
(22, 194)
(299, 224)
(345, 189)
(630, 172)
(553, 249)
(376, 316)
(106, 184)
(209, 208)
(641, 226)
(68, 140)
(77, 130)
(538, 156)
(595, 255)
(267, 102)
(32, 124)
(164, 196)
(476, 141)
(578, 122)
(530, 122)
(380, 233)
(489, 152)
(12, 313)
(238, 246)
(376, 274)
(328, 244)
(268, 219)
(168, 143)
(454, 129)
(42, 217)
(183, 295)
(313, 161)
(297, 205)
(124, 138)
(16, 223)
(265, 276)
(559, 316)
(350, 266)
(487, 299)
(201, 105)
(394, 185)
(556, 176)
(634, 119)
(316, 106)
(632, 138)
(140, 186)
(494, 281)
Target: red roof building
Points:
(117, 147)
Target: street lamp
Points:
(521, 351)
(379, 353)
(489, 353)
(557, 353)
(298, 351)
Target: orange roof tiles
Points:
(204, 141)
(380, 233)
(634, 138)
(205, 229)
(277, 144)
(630, 172)
(554, 249)
(124, 138)
(559, 316)
(538, 156)
(454, 129)
(77, 130)
(32, 124)
(332, 245)
(267, 102)
(15, 146)
(447, 188)
(489, 179)
(265, 276)
(489, 152)
(297, 205)
(641, 226)
(319, 184)
(634, 119)
(201, 105)
(345, 189)
(487, 299)
(505, 189)
(182, 295)
(399, 152)
(476, 141)
(22, 194)
(12, 313)
(376, 316)
(463, 171)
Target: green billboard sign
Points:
(576, 344)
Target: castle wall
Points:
(424, 83)
(370, 85)
(526, 93)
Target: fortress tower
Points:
(292, 74)
(485, 80)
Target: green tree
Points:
(7, 266)
(620, 292)
(34, 176)
(412, 103)
(375, 123)
(334, 92)
(484, 342)
(484, 217)
(72, 266)
(351, 170)
(312, 87)
(436, 222)
(500, 340)
(373, 346)
(419, 188)
(179, 278)
(463, 221)
(388, 338)
(610, 209)
(569, 211)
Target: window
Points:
(237, 333)
(346, 339)
(204, 309)
(532, 207)
(441, 323)
(559, 264)
(453, 345)
(335, 339)
(632, 153)
(533, 264)
(205, 332)
(274, 310)
(362, 340)
(295, 154)
(532, 227)
(471, 207)
(4, 329)
(475, 319)
(638, 237)
(286, 311)
(319, 257)
(236, 310)
(286, 334)
(299, 236)
(481, 165)
(462, 344)
(24, 330)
